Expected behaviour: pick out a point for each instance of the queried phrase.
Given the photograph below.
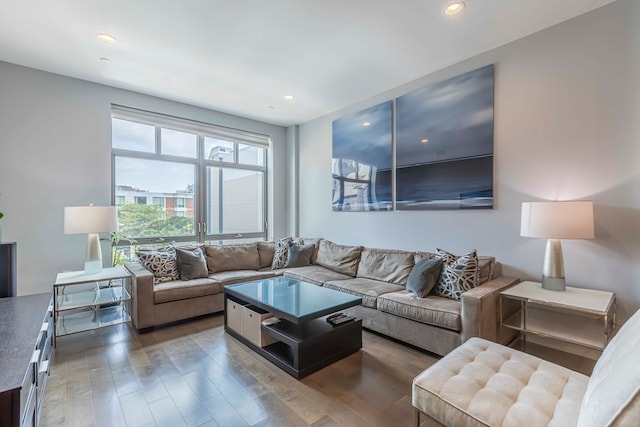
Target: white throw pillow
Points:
(614, 386)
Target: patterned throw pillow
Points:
(162, 263)
(280, 253)
(459, 274)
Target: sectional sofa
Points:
(379, 276)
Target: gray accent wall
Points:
(55, 151)
(567, 126)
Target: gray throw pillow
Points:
(299, 255)
(191, 264)
(424, 276)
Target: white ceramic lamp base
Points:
(93, 260)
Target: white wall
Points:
(55, 151)
(567, 126)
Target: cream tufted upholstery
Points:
(482, 383)
(486, 384)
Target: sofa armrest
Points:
(141, 295)
(479, 311)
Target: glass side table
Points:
(581, 318)
(82, 302)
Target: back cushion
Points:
(265, 251)
(386, 265)
(232, 257)
(339, 258)
(486, 264)
(315, 241)
(613, 394)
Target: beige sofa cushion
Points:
(312, 241)
(386, 265)
(367, 289)
(339, 258)
(315, 274)
(232, 257)
(485, 384)
(265, 253)
(238, 276)
(432, 310)
(613, 395)
(180, 289)
(486, 264)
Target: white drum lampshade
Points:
(555, 221)
(91, 220)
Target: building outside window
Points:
(158, 201)
(205, 183)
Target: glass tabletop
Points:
(292, 298)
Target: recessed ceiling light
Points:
(366, 124)
(105, 60)
(271, 107)
(289, 97)
(424, 140)
(454, 8)
(106, 38)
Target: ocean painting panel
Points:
(444, 144)
(362, 160)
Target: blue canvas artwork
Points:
(362, 160)
(444, 144)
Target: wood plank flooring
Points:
(193, 374)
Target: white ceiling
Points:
(242, 56)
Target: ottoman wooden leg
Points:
(416, 417)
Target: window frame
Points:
(200, 163)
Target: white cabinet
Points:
(234, 315)
(247, 321)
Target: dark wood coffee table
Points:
(302, 341)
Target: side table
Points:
(576, 318)
(84, 302)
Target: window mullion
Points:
(158, 142)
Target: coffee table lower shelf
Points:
(303, 349)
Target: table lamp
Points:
(555, 221)
(91, 220)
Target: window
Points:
(187, 181)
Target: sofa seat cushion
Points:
(238, 276)
(367, 289)
(432, 310)
(483, 383)
(387, 265)
(315, 274)
(181, 289)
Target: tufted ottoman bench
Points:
(482, 383)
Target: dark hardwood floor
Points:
(193, 374)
